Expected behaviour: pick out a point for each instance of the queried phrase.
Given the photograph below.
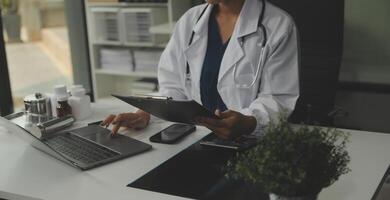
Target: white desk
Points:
(27, 173)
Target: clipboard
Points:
(180, 111)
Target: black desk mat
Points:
(197, 173)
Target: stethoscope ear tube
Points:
(188, 73)
(265, 39)
(200, 17)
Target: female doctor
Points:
(238, 58)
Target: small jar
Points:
(59, 91)
(63, 108)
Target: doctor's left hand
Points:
(231, 124)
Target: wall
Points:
(366, 41)
(366, 66)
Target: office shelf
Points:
(130, 45)
(133, 74)
(134, 26)
(166, 28)
(124, 4)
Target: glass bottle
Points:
(63, 108)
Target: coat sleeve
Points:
(171, 68)
(279, 88)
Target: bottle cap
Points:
(74, 89)
(60, 90)
(76, 86)
(62, 98)
(78, 92)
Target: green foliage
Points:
(9, 6)
(5, 3)
(293, 160)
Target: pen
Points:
(153, 97)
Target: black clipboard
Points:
(180, 111)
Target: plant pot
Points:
(278, 197)
(12, 26)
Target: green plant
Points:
(293, 160)
(4, 3)
(9, 6)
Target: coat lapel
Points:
(247, 24)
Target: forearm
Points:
(269, 108)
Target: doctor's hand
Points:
(231, 124)
(138, 120)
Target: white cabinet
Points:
(128, 26)
(137, 22)
(105, 25)
(126, 41)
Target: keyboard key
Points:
(80, 149)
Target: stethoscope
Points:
(261, 59)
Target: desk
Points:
(27, 173)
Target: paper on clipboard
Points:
(180, 111)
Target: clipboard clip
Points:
(153, 97)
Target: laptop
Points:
(84, 148)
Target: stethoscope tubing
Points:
(261, 59)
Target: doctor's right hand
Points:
(138, 120)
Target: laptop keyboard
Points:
(80, 149)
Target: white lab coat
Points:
(279, 82)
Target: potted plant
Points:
(293, 162)
(11, 19)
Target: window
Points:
(38, 44)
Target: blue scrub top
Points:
(212, 62)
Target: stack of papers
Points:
(137, 25)
(116, 59)
(146, 60)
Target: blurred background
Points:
(113, 46)
(37, 46)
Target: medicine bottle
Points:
(63, 108)
(59, 91)
(80, 103)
